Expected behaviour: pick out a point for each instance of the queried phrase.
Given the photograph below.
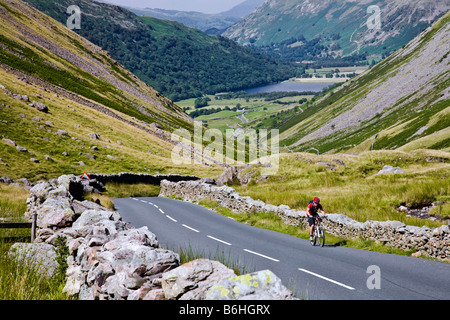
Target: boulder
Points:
(6, 180)
(156, 125)
(75, 278)
(10, 142)
(228, 177)
(90, 156)
(21, 97)
(72, 184)
(192, 280)
(62, 133)
(40, 256)
(94, 136)
(154, 261)
(132, 240)
(39, 106)
(91, 217)
(55, 212)
(391, 170)
(261, 285)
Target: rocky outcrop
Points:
(390, 169)
(429, 242)
(108, 259)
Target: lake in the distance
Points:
(289, 87)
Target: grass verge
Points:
(20, 281)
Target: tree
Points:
(201, 102)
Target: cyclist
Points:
(312, 213)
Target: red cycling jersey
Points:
(313, 209)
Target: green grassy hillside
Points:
(293, 27)
(403, 101)
(85, 92)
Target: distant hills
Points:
(178, 61)
(209, 23)
(243, 9)
(291, 28)
(401, 103)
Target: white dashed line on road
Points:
(327, 279)
(171, 218)
(190, 228)
(227, 243)
(261, 255)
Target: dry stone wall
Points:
(108, 259)
(127, 177)
(429, 242)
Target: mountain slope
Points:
(84, 91)
(404, 100)
(243, 9)
(340, 25)
(178, 61)
(63, 59)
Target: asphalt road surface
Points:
(330, 272)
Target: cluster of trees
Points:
(267, 96)
(202, 112)
(201, 102)
(312, 50)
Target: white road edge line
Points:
(227, 243)
(261, 255)
(171, 218)
(190, 228)
(327, 279)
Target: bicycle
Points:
(318, 233)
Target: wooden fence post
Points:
(33, 226)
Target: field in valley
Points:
(250, 112)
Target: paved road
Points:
(314, 272)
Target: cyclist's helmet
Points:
(316, 200)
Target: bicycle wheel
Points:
(314, 237)
(321, 236)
